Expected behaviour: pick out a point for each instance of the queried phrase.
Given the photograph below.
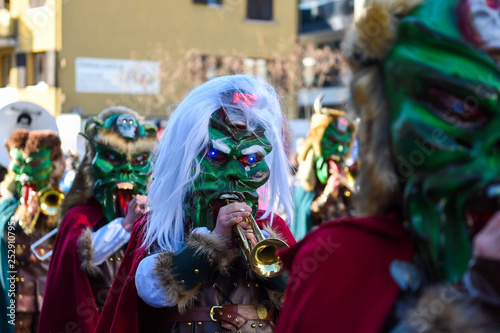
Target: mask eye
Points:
(112, 157)
(457, 111)
(140, 159)
(215, 155)
(250, 159)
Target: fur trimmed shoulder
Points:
(170, 284)
(214, 247)
(446, 309)
(86, 253)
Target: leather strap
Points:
(229, 316)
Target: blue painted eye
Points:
(252, 158)
(213, 153)
(216, 155)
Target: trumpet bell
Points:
(264, 260)
(50, 200)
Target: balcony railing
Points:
(7, 24)
(319, 15)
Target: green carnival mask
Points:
(122, 163)
(232, 163)
(34, 170)
(444, 99)
(335, 145)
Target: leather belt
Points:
(235, 315)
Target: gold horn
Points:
(50, 200)
(262, 257)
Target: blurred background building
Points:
(30, 40)
(74, 58)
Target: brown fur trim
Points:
(273, 233)
(86, 254)
(214, 247)
(378, 177)
(445, 309)
(127, 147)
(372, 36)
(170, 284)
(365, 50)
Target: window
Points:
(21, 62)
(36, 68)
(37, 3)
(208, 2)
(4, 70)
(5, 4)
(40, 73)
(260, 10)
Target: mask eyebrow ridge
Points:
(254, 149)
(219, 145)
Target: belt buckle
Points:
(212, 311)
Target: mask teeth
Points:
(26, 192)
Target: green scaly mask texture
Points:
(35, 168)
(112, 166)
(335, 144)
(240, 168)
(444, 99)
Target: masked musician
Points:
(98, 212)
(28, 207)
(184, 270)
(325, 187)
(427, 85)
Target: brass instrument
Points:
(49, 200)
(261, 257)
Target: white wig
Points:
(186, 136)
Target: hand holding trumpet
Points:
(233, 214)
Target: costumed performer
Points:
(29, 204)
(183, 270)
(325, 182)
(97, 216)
(426, 258)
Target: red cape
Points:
(68, 304)
(339, 276)
(124, 311)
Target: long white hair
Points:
(186, 135)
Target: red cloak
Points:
(339, 276)
(68, 304)
(124, 311)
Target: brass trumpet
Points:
(261, 257)
(49, 200)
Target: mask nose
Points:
(235, 171)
